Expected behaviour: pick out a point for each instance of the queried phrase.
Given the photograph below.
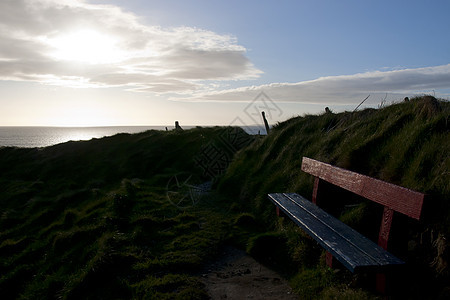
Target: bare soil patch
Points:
(236, 275)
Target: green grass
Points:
(91, 220)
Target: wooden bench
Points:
(352, 249)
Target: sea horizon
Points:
(44, 136)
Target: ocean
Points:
(31, 137)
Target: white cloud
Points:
(344, 89)
(74, 43)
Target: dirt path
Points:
(238, 276)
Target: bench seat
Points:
(353, 250)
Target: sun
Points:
(86, 46)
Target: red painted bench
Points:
(352, 249)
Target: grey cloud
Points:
(43, 17)
(167, 87)
(145, 83)
(15, 49)
(36, 69)
(348, 89)
(202, 64)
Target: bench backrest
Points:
(391, 196)
(395, 197)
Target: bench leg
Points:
(279, 212)
(381, 283)
(383, 238)
(315, 195)
(329, 259)
(385, 229)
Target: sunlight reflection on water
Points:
(29, 137)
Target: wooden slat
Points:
(347, 254)
(348, 246)
(349, 234)
(395, 197)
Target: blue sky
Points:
(136, 62)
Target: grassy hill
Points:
(406, 144)
(117, 217)
(125, 217)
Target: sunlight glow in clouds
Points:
(76, 44)
(86, 46)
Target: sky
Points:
(211, 62)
